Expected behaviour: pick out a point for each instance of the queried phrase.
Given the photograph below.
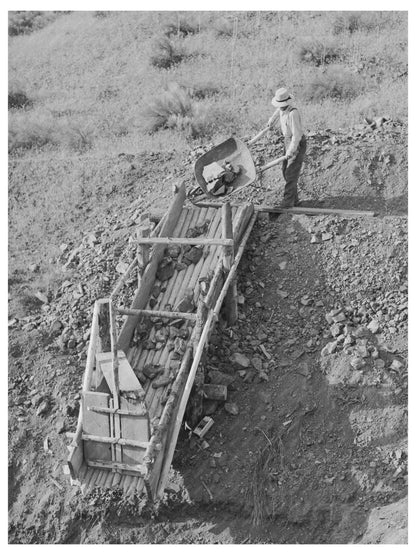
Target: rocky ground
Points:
(311, 445)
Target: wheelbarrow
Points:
(235, 152)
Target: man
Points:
(295, 143)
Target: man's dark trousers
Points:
(291, 175)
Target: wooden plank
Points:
(313, 211)
(143, 294)
(182, 406)
(127, 378)
(95, 424)
(228, 257)
(157, 313)
(136, 413)
(134, 430)
(296, 210)
(185, 241)
(114, 440)
(75, 459)
(137, 469)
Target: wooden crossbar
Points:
(157, 313)
(136, 468)
(113, 440)
(184, 241)
(121, 412)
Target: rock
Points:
(174, 251)
(357, 362)
(186, 304)
(329, 348)
(379, 363)
(71, 409)
(165, 269)
(335, 330)
(283, 265)
(42, 297)
(374, 326)
(152, 370)
(396, 365)
(60, 425)
(257, 363)
(340, 317)
(282, 294)
(240, 360)
(231, 408)
(219, 378)
(122, 267)
(328, 318)
(34, 267)
(361, 331)
(43, 408)
(326, 236)
(193, 256)
(56, 325)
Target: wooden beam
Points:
(184, 241)
(231, 307)
(313, 211)
(182, 406)
(112, 440)
(122, 280)
(116, 382)
(158, 313)
(310, 211)
(121, 412)
(143, 293)
(119, 467)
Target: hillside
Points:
(106, 111)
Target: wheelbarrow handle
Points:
(271, 164)
(258, 136)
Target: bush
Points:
(336, 82)
(30, 130)
(165, 53)
(223, 27)
(24, 22)
(317, 52)
(17, 97)
(203, 90)
(174, 109)
(351, 22)
(182, 27)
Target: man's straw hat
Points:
(282, 98)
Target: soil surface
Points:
(311, 445)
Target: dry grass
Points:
(336, 83)
(318, 52)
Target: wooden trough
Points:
(143, 360)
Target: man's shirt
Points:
(291, 126)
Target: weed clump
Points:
(17, 97)
(24, 22)
(336, 82)
(351, 22)
(30, 130)
(316, 52)
(165, 53)
(223, 27)
(183, 27)
(175, 109)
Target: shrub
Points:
(23, 22)
(76, 136)
(223, 27)
(317, 52)
(101, 15)
(351, 22)
(165, 53)
(336, 82)
(182, 27)
(174, 109)
(17, 97)
(203, 90)
(30, 130)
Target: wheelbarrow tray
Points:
(237, 153)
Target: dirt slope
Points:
(314, 437)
